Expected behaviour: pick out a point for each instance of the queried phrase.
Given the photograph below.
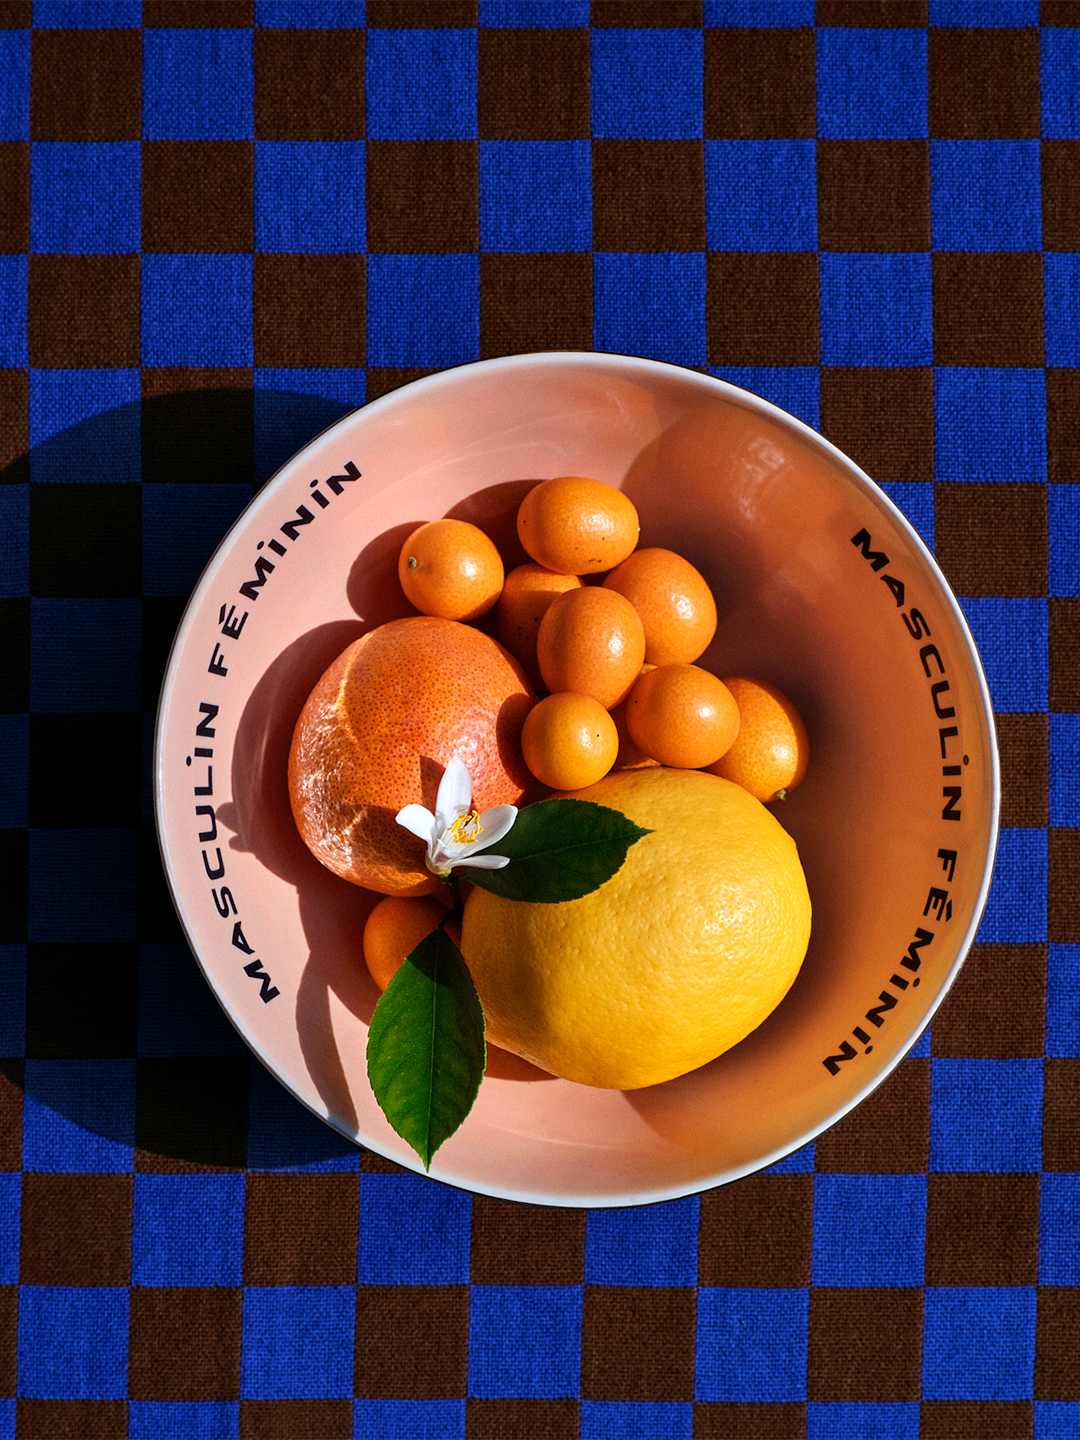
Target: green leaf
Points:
(560, 850)
(425, 1051)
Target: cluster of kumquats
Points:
(609, 635)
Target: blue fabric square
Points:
(423, 310)
(984, 13)
(293, 405)
(647, 84)
(1063, 517)
(526, 14)
(1061, 300)
(636, 1420)
(412, 1232)
(421, 84)
(13, 293)
(310, 14)
(87, 14)
(193, 1419)
(751, 1344)
(285, 1135)
(1065, 768)
(876, 309)
(86, 655)
(1063, 1001)
(73, 1342)
(1059, 1225)
(187, 1230)
(985, 195)
(84, 427)
(1059, 66)
(10, 1200)
(1057, 1420)
(178, 1014)
(915, 501)
(761, 195)
(986, 1115)
(79, 1116)
(651, 305)
(179, 538)
(794, 388)
(535, 195)
(196, 309)
(309, 197)
(842, 1420)
(643, 1245)
(298, 1342)
(418, 1419)
(1016, 905)
(525, 1340)
(14, 84)
(14, 575)
(850, 1247)
(1012, 640)
(70, 870)
(871, 84)
(799, 1162)
(978, 1342)
(760, 13)
(87, 198)
(198, 85)
(12, 999)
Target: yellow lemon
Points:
(676, 958)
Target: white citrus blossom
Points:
(453, 834)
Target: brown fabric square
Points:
(1060, 186)
(873, 194)
(412, 1341)
(309, 84)
(762, 309)
(984, 83)
(638, 14)
(199, 14)
(988, 309)
(309, 309)
(889, 1132)
(533, 85)
(1061, 1115)
(296, 1420)
(758, 1232)
(83, 310)
(76, 1230)
(191, 1115)
(185, 1343)
(521, 1420)
(422, 195)
(1057, 12)
(849, 1359)
(991, 539)
(637, 1343)
(11, 1108)
(535, 302)
(14, 197)
(14, 424)
(866, 14)
(1057, 1343)
(1024, 747)
(17, 15)
(1064, 656)
(421, 14)
(976, 1419)
(648, 195)
(516, 1244)
(9, 1343)
(1063, 889)
(1063, 424)
(86, 85)
(997, 1006)
(778, 1420)
(982, 1230)
(883, 418)
(760, 84)
(300, 1230)
(197, 196)
(71, 1419)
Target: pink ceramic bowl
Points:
(822, 587)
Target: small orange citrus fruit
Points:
(577, 526)
(394, 929)
(591, 642)
(450, 569)
(630, 756)
(771, 751)
(528, 591)
(676, 606)
(682, 716)
(569, 741)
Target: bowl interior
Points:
(822, 588)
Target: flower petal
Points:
(484, 862)
(496, 822)
(455, 793)
(418, 822)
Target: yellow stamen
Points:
(466, 829)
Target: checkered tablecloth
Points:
(225, 223)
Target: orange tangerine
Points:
(394, 929)
(591, 642)
(682, 716)
(528, 591)
(577, 526)
(771, 751)
(630, 756)
(676, 606)
(569, 741)
(450, 569)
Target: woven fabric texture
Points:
(223, 225)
